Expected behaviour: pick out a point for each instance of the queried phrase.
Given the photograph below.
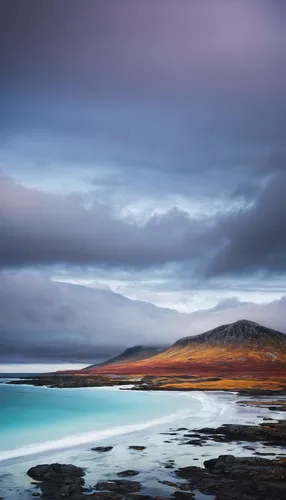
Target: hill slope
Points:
(136, 353)
(240, 348)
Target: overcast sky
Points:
(142, 172)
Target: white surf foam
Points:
(88, 437)
(211, 408)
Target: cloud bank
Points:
(44, 321)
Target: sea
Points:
(44, 425)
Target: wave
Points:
(88, 437)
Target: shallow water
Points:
(37, 419)
(40, 425)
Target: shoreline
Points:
(154, 383)
(82, 440)
(156, 463)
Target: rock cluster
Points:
(58, 480)
(244, 478)
(271, 433)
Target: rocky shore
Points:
(72, 381)
(155, 383)
(224, 477)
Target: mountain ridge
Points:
(240, 331)
(242, 347)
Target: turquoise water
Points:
(35, 419)
(39, 425)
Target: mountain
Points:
(239, 348)
(242, 332)
(135, 353)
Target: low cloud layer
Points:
(44, 321)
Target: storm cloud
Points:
(256, 237)
(142, 147)
(37, 229)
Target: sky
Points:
(142, 173)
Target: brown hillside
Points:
(242, 348)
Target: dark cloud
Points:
(159, 94)
(138, 137)
(41, 228)
(255, 237)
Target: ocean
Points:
(37, 419)
(42, 425)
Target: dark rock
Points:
(169, 483)
(277, 408)
(58, 480)
(248, 467)
(102, 495)
(106, 485)
(195, 442)
(137, 496)
(169, 433)
(207, 430)
(193, 435)
(61, 485)
(182, 429)
(191, 472)
(261, 392)
(169, 464)
(42, 472)
(243, 478)
(271, 433)
(181, 486)
(183, 495)
(128, 473)
(126, 486)
(137, 448)
(264, 454)
(102, 449)
(119, 485)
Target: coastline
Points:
(166, 449)
(157, 383)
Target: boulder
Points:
(239, 478)
(102, 449)
(123, 486)
(58, 480)
(128, 473)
